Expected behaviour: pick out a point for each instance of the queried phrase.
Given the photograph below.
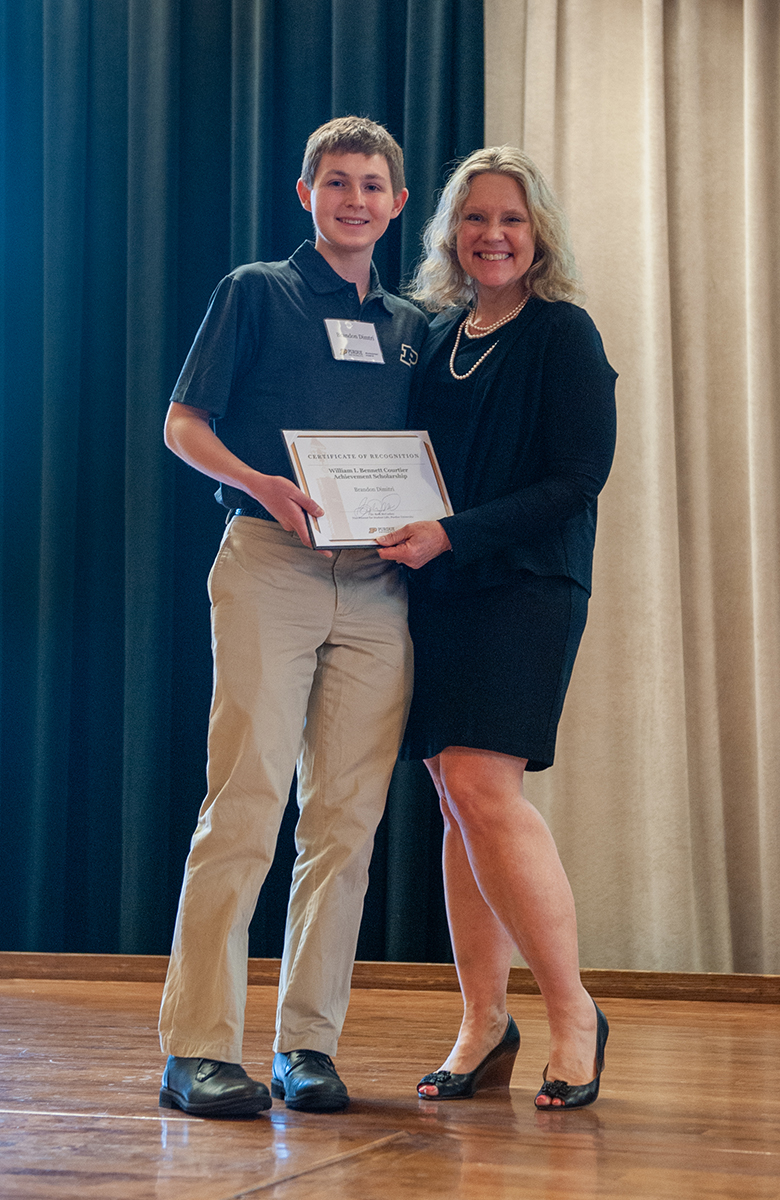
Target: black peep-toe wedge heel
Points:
(576, 1095)
(495, 1071)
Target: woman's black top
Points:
(525, 445)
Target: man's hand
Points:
(414, 544)
(188, 433)
(287, 504)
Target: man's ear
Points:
(398, 202)
(304, 195)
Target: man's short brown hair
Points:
(353, 135)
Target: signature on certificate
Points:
(377, 506)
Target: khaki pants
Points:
(312, 663)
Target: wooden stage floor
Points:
(689, 1107)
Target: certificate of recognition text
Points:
(368, 483)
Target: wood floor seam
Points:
(334, 1160)
(81, 1116)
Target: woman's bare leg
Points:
(517, 871)
(482, 949)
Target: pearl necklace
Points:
(488, 329)
(482, 330)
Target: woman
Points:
(518, 397)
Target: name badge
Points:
(354, 341)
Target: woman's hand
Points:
(415, 544)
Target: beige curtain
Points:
(658, 122)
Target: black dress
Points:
(494, 642)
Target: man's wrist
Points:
(254, 483)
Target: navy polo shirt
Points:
(261, 361)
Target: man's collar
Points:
(321, 277)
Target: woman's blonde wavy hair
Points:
(440, 281)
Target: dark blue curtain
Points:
(148, 146)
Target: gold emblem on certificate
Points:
(368, 483)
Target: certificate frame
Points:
(368, 482)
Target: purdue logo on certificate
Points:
(368, 483)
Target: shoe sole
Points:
(231, 1108)
(309, 1103)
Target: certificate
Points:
(367, 483)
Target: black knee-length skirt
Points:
(491, 668)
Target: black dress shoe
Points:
(494, 1071)
(576, 1095)
(206, 1088)
(307, 1080)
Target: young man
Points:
(311, 650)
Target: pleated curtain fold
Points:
(659, 124)
(147, 147)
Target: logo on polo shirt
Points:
(408, 355)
